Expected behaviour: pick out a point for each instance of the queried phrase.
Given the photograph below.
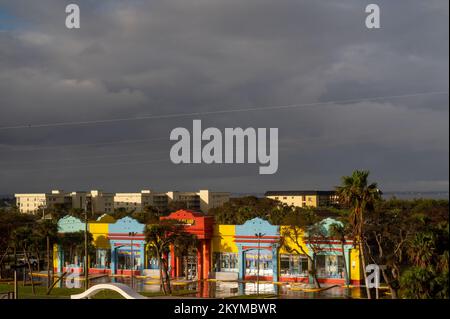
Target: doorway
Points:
(190, 267)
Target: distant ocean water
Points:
(412, 195)
(386, 195)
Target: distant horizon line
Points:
(253, 192)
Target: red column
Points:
(173, 265)
(206, 258)
(200, 261)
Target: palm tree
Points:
(339, 230)
(159, 238)
(357, 194)
(421, 249)
(22, 236)
(47, 231)
(73, 242)
(304, 228)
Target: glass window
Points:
(320, 265)
(293, 265)
(265, 263)
(284, 264)
(102, 258)
(304, 266)
(225, 262)
(330, 266)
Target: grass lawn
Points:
(64, 293)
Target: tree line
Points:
(408, 237)
(29, 235)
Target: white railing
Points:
(122, 289)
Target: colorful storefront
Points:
(202, 227)
(227, 252)
(236, 249)
(119, 246)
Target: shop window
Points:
(102, 258)
(225, 262)
(265, 263)
(284, 264)
(293, 265)
(330, 266)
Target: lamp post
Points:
(86, 262)
(132, 234)
(48, 261)
(259, 236)
(43, 206)
(16, 286)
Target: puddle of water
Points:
(228, 289)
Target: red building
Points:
(201, 226)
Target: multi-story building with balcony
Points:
(38, 202)
(97, 201)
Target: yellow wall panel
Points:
(288, 235)
(100, 233)
(355, 272)
(223, 239)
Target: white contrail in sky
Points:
(233, 110)
(14, 148)
(91, 165)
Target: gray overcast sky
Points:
(135, 58)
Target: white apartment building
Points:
(97, 201)
(31, 203)
(38, 202)
(138, 201)
(210, 199)
(132, 201)
(202, 200)
(93, 201)
(101, 202)
(192, 199)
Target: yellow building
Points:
(304, 198)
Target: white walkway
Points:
(122, 289)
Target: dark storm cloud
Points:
(135, 58)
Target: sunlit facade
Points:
(224, 252)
